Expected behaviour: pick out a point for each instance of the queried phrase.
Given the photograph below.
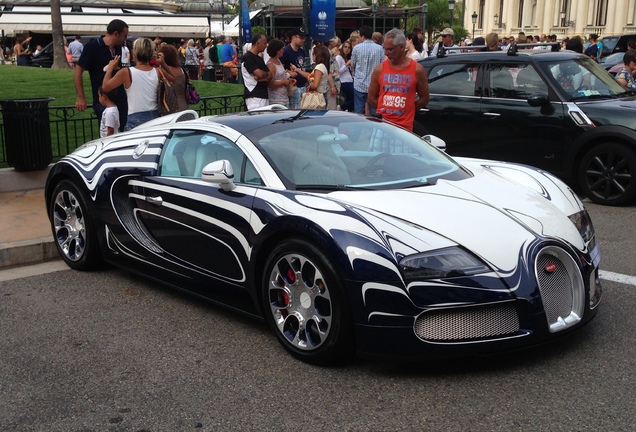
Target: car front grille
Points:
(467, 324)
(561, 287)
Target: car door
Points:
(201, 230)
(452, 113)
(512, 130)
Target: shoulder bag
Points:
(191, 95)
(313, 100)
(166, 96)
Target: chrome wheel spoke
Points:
(68, 224)
(300, 302)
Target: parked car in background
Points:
(558, 111)
(44, 58)
(345, 233)
(614, 44)
(613, 62)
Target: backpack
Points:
(213, 53)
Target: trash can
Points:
(209, 74)
(27, 133)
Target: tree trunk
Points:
(59, 49)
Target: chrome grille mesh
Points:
(468, 323)
(555, 288)
(561, 287)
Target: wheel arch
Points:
(594, 137)
(294, 227)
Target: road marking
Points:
(617, 277)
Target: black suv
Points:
(559, 111)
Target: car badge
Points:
(140, 149)
(550, 267)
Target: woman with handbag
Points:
(140, 81)
(319, 78)
(168, 60)
(277, 88)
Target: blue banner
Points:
(322, 20)
(247, 25)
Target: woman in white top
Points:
(414, 47)
(346, 80)
(140, 82)
(321, 78)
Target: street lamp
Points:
(451, 7)
(562, 18)
(496, 20)
(271, 18)
(424, 13)
(474, 18)
(374, 11)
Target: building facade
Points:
(560, 17)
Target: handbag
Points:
(291, 88)
(313, 100)
(191, 95)
(166, 96)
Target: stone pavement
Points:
(25, 232)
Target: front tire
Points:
(305, 304)
(608, 174)
(73, 227)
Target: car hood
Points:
(488, 214)
(617, 112)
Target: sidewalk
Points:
(25, 231)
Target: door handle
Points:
(492, 114)
(424, 110)
(155, 200)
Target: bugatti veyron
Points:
(346, 234)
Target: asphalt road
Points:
(109, 351)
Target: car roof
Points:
(244, 122)
(528, 54)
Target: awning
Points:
(140, 23)
(231, 29)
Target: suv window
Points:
(452, 79)
(514, 81)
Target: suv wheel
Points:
(608, 174)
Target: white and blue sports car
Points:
(345, 233)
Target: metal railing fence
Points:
(71, 128)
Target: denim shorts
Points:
(135, 119)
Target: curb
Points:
(12, 180)
(32, 251)
(27, 252)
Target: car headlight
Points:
(441, 263)
(583, 224)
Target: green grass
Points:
(31, 82)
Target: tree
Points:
(438, 17)
(59, 52)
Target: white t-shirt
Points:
(125, 55)
(110, 118)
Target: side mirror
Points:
(538, 99)
(219, 172)
(435, 141)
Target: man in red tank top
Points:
(396, 82)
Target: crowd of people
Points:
(368, 73)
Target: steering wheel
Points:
(370, 168)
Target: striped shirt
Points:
(364, 58)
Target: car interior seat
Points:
(316, 163)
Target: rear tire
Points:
(608, 174)
(73, 228)
(305, 304)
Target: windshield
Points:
(582, 78)
(351, 152)
(609, 43)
